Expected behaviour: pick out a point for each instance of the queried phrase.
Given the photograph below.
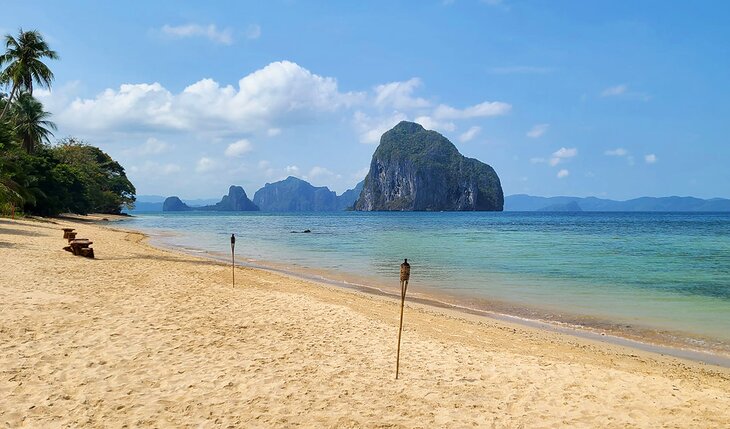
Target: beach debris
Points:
(405, 275)
(233, 260)
(306, 231)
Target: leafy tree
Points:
(23, 64)
(31, 124)
(108, 188)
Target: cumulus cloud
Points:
(563, 173)
(280, 93)
(399, 95)
(538, 131)
(238, 148)
(211, 32)
(562, 154)
(292, 170)
(616, 152)
(469, 134)
(613, 91)
(650, 158)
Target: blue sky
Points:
(612, 99)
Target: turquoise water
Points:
(662, 276)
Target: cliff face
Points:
(174, 204)
(296, 195)
(416, 169)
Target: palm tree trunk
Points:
(7, 104)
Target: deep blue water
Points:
(662, 271)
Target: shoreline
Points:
(601, 332)
(150, 337)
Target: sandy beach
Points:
(144, 337)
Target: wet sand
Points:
(145, 337)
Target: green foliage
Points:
(22, 64)
(108, 189)
(34, 176)
(30, 122)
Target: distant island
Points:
(297, 195)
(236, 200)
(522, 202)
(414, 169)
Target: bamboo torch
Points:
(405, 274)
(233, 259)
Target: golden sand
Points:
(143, 337)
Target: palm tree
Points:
(31, 124)
(23, 65)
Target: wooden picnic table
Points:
(66, 231)
(71, 236)
(80, 247)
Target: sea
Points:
(656, 279)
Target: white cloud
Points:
(210, 32)
(563, 173)
(399, 95)
(562, 154)
(487, 108)
(538, 130)
(650, 158)
(292, 170)
(615, 90)
(280, 93)
(273, 132)
(253, 32)
(469, 134)
(238, 148)
(616, 152)
(205, 165)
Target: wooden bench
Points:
(66, 231)
(80, 247)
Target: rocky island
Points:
(414, 169)
(296, 195)
(236, 200)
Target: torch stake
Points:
(233, 260)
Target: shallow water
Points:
(662, 276)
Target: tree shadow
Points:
(13, 231)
